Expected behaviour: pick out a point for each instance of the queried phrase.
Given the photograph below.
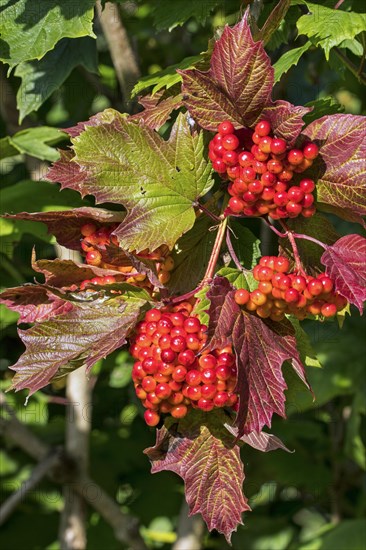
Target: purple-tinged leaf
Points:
(261, 441)
(157, 181)
(94, 120)
(65, 172)
(237, 86)
(34, 303)
(157, 109)
(85, 334)
(340, 169)
(260, 348)
(345, 264)
(200, 450)
(286, 119)
(66, 224)
(65, 273)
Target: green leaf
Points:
(31, 29)
(245, 244)
(41, 78)
(239, 279)
(328, 27)
(323, 106)
(354, 446)
(35, 142)
(168, 14)
(350, 534)
(288, 59)
(191, 256)
(157, 181)
(307, 353)
(166, 78)
(200, 450)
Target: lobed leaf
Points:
(86, 332)
(66, 224)
(288, 60)
(31, 29)
(157, 181)
(157, 109)
(200, 450)
(260, 348)
(345, 265)
(329, 27)
(35, 142)
(340, 169)
(41, 78)
(238, 87)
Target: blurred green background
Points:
(311, 499)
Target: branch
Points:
(122, 55)
(38, 473)
(65, 470)
(72, 531)
(190, 530)
(361, 77)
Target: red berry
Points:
(274, 166)
(295, 194)
(179, 411)
(245, 158)
(152, 418)
(310, 151)
(230, 142)
(225, 127)
(220, 399)
(168, 355)
(236, 205)
(264, 144)
(178, 344)
(294, 209)
(307, 185)
(205, 404)
(219, 166)
(149, 384)
(329, 310)
(278, 146)
(93, 257)
(292, 295)
(315, 287)
(186, 358)
(88, 229)
(163, 391)
(295, 156)
(307, 201)
(230, 158)
(258, 154)
(263, 128)
(191, 325)
(179, 373)
(207, 361)
(193, 377)
(208, 391)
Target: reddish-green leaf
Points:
(341, 167)
(34, 303)
(238, 87)
(202, 452)
(157, 181)
(260, 348)
(345, 263)
(261, 441)
(66, 224)
(87, 332)
(157, 109)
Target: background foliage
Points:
(308, 500)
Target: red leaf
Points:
(81, 336)
(238, 87)
(65, 273)
(67, 173)
(201, 451)
(261, 441)
(341, 167)
(157, 109)
(66, 224)
(345, 265)
(34, 303)
(260, 348)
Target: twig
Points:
(294, 247)
(190, 530)
(122, 55)
(338, 4)
(232, 252)
(208, 212)
(125, 527)
(215, 253)
(361, 77)
(72, 531)
(38, 473)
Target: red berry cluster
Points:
(280, 292)
(95, 237)
(170, 375)
(108, 280)
(261, 169)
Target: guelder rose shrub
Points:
(209, 332)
